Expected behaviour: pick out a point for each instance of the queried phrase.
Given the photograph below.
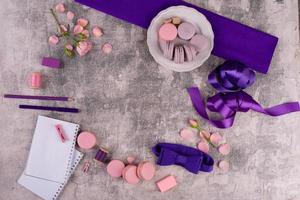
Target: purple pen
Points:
(47, 98)
(58, 109)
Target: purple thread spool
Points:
(101, 155)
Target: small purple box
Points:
(51, 62)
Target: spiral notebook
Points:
(46, 189)
(50, 162)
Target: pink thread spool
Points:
(35, 80)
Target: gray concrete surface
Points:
(132, 103)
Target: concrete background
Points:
(131, 103)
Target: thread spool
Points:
(35, 80)
(101, 155)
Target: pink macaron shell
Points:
(200, 42)
(139, 169)
(167, 32)
(188, 53)
(115, 168)
(186, 30)
(86, 140)
(147, 171)
(130, 174)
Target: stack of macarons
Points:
(180, 42)
(131, 173)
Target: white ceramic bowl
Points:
(186, 14)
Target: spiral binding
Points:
(71, 168)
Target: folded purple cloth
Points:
(191, 159)
(233, 40)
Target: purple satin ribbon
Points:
(230, 77)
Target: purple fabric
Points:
(228, 104)
(233, 40)
(191, 159)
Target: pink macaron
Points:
(129, 174)
(186, 30)
(200, 42)
(146, 171)
(115, 168)
(176, 55)
(194, 51)
(162, 45)
(86, 140)
(167, 31)
(188, 53)
(179, 54)
(169, 51)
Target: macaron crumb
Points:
(176, 20)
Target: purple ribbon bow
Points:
(191, 159)
(232, 77)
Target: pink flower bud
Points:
(53, 39)
(204, 135)
(215, 138)
(77, 29)
(97, 32)
(82, 22)
(63, 28)
(86, 33)
(225, 149)
(130, 159)
(193, 123)
(84, 47)
(69, 47)
(70, 15)
(203, 146)
(60, 7)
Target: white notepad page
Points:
(49, 158)
(45, 189)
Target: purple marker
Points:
(51, 62)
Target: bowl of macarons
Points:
(180, 38)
